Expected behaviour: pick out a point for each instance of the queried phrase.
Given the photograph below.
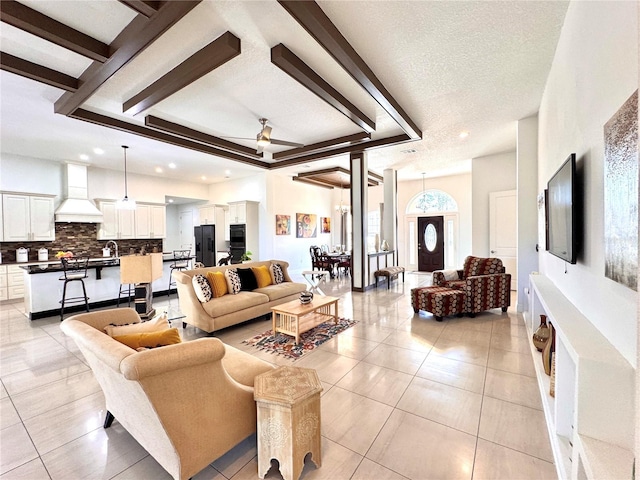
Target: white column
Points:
(527, 178)
(359, 263)
(390, 218)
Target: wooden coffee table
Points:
(295, 318)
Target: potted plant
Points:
(246, 257)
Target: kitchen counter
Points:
(43, 288)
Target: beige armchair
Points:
(186, 404)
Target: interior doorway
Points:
(430, 243)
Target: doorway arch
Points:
(432, 203)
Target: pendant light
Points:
(422, 203)
(126, 203)
(341, 209)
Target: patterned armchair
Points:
(484, 281)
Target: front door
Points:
(430, 243)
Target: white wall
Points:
(493, 173)
(459, 187)
(30, 175)
(595, 70)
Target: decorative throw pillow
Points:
(263, 276)
(276, 273)
(202, 288)
(247, 279)
(150, 339)
(233, 281)
(218, 284)
(153, 325)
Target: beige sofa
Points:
(232, 309)
(186, 404)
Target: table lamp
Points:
(141, 270)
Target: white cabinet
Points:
(227, 222)
(11, 282)
(27, 218)
(238, 212)
(207, 214)
(591, 417)
(116, 224)
(150, 221)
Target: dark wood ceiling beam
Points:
(191, 134)
(371, 144)
(311, 17)
(218, 52)
(136, 36)
(312, 182)
(146, 8)
(326, 171)
(336, 142)
(293, 66)
(38, 24)
(37, 72)
(105, 121)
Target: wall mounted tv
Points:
(563, 212)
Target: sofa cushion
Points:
(218, 283)
(150, 339)
(202, 288)
(241, 367)
(247, 279)
(281, 290)
(153, 325)
(276, 273)
(263, 276)
(234, 303)
(233, 281)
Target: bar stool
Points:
(181, 260)
(125, 288)
(75, 270)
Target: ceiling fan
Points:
(263, 139)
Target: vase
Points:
(548, 349)
(377, 243)
(541, 335)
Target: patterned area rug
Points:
(283, 344)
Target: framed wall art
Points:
(283, 224)
(306, 225)
(326, 224)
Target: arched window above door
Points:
(432, 201)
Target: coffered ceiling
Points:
(186, 82)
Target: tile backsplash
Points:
(79, 238)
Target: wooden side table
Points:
(288, 402)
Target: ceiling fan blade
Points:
(266, 133)
(285, 143)
(259, 149)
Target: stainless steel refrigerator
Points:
(206, 244)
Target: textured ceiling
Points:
(452, 66)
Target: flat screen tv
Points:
(562, 210)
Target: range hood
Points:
(77, 207)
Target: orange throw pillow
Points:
(263, 276)
(150, 340)
(218, 283)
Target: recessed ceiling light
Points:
(227, 172)
(158, 170)
(98, 151)
(464, 134)
(171, 200)
(172, 165)
(203, 177)
(84, 156)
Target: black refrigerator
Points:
(238, 241)
(206, 244)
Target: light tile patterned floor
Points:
(405, 397)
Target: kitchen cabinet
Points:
(11, 282)
(246, 212)
(116, 224)
(3, 283)
(238, 211)
(27, 218)
(150, 221)
(207, 214)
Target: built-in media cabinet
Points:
(591, 418)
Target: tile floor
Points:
(405, 397)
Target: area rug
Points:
(285, 345)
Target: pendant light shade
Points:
(126, 203)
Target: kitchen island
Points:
(43, 287)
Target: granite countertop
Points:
(94, 262)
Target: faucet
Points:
(114, 244)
